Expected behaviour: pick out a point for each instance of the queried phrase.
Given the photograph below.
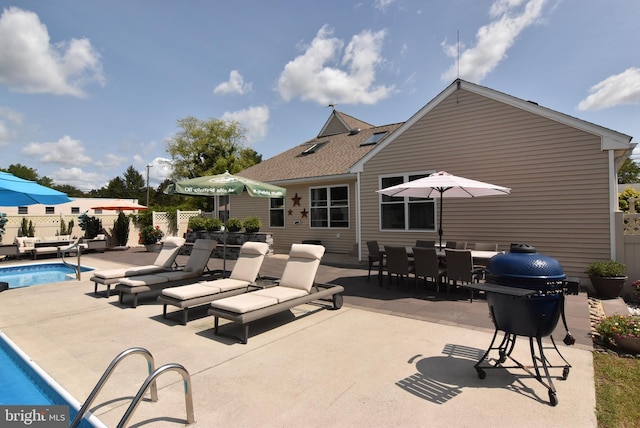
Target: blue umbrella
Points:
(17, 192)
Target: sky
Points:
(88, 88)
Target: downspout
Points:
(613, 202)
(358, 218)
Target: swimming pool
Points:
(44, 273)
(23, 382)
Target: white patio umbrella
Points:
(444, 185)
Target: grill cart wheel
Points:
(553, 399)
(337, 301)
(481, 373)
(565, 373)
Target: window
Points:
(75, 210)
(23, 210)
(312, 148)
(374, 138)
(276, 212)
(330, 207)
(49, 210)
(400, 213)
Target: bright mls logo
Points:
(34, 416)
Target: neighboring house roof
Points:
(611, 140)
(342, 142)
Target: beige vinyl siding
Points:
(243, 206)
(558, 175)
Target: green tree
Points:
(628, 172)
(70, 190)
(22, 171)
(134, 183)
(208, 147)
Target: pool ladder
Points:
(150, 382)
(76, 246)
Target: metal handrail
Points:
(151, 381)
(78, 249)
(107, 374)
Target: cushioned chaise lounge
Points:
(196, 264)
(294, 288)
(244, 273)
(164, 262)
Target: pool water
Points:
(45, 273)
(22, 382)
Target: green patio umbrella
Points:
(223, 185)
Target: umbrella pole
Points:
(440, 220)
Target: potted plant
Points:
(150, 237)
(252, 224)
(213, 224)
(197, 224)
(623, 331)
(608, 277)
(234, 224)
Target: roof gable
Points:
(339, 123)
(611, 140)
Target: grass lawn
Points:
(617, 384)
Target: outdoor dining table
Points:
(478, 256)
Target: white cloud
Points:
(623, 88)
(30, 63)
(235, 85)
(79, 178)
(382, 4)
(309, 77)
(492, 40)
(161, 169)
(109, 160)
(255, 120)
(65, 151)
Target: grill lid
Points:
(523, 267)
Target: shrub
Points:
(609, 268)
(213, 224)
(121, 229)
(234, 224)
(252, 224)
(197, 223)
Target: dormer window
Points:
(374, 138)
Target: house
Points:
(562, 172)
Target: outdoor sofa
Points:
(165, 261)
(296, 287)
(196, 264)
(244, 273)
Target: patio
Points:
(387, 357)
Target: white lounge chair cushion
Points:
(282, 294)
(250, 260)
(244, 303)
(122, 272)
(141, 280)
(300, 270)
(204, 288)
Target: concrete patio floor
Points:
(389, 357)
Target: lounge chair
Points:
(244, 273)
(165, 260)
(294, 288)
(196, 264)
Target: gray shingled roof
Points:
(338, 153)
